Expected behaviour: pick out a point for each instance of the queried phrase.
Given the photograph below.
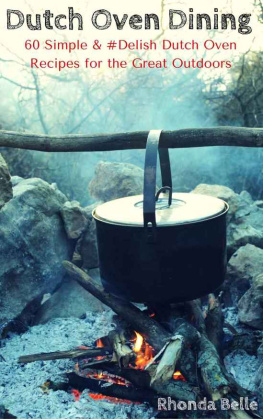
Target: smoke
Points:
(121, 102)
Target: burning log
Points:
(140, 380)
(74, 353)
(73, 380)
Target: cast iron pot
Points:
(165, 247)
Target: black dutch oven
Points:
(161, 247)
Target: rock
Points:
(86, 251)
(241, 234)
(15, 180)
(245, 218)
(259, 204)
(116, 180)
(258, 280)
(245, 264)
(70, 300)
(33, 244)
(250, 306)
(260, 352)
(259, 388)
(246, 227)
(222, 192)
(243, 267)
(74, 218)
(6, 191)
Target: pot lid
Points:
(185, 208)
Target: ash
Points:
(20, 384)
(243, 368)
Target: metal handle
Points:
(165, 189)
(149, 188)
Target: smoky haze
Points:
(86, 102)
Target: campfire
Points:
(155, 353)
(143, 355)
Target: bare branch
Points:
(184, 138)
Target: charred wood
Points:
(72, 380)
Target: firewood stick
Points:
(212, 371)
(122, 353)
(195, 306)
(217, 385)
(156, 335)
(187, 363)
(217, 380)
(178, 390)
(214, 323)
(71, 354)
(166, 366)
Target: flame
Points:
(99, 344)
(143, 350)
(178, 376)
(76, 394)
(138, 342)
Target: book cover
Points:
(131, 209)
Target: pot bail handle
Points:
(149, 188)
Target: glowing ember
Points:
(76, 394)
(178, 376)
(109, 378)
(96, 396)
